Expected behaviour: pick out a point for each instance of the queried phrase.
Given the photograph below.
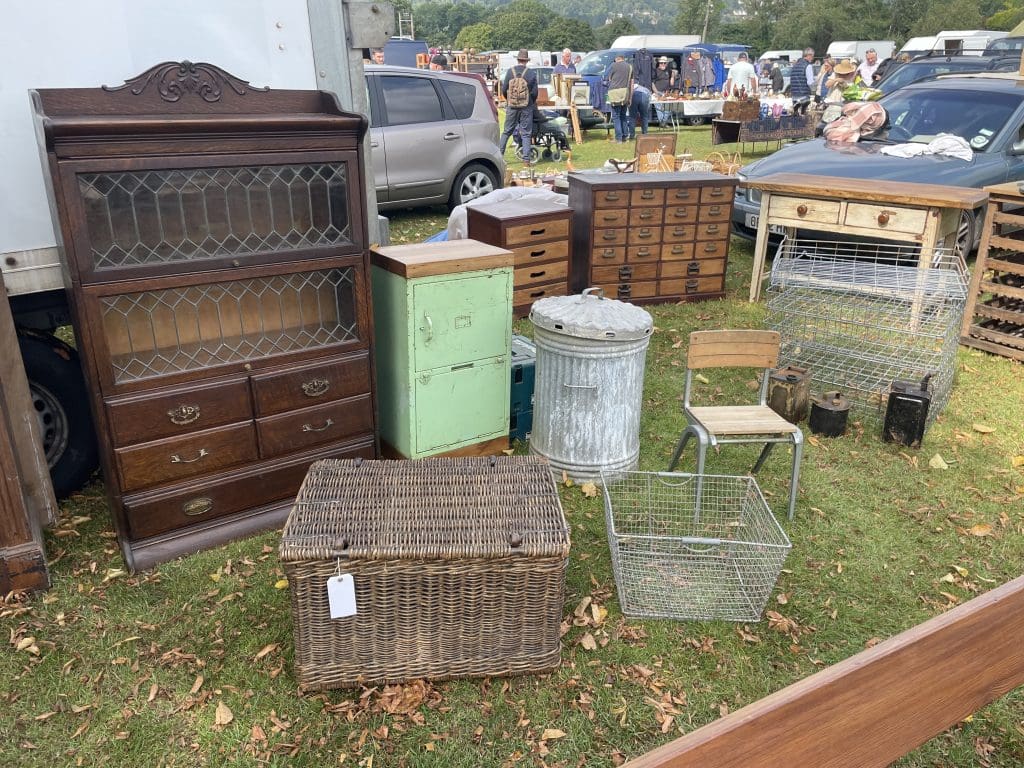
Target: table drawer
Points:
(910, 221)
(141, 418)
(677, 195)
(679, 233)
(644, 235)
(693, 268)
(611, 198)
(328, 423)
(539, 231)
(714, 231)
(603, 237)
(711, 249)
(677, 251)
(541, 252)
(717, 193)
(693, 285)
(642, 253)
(541, 273)
(526, 296)
(611, 217)
(647, 196)
(643, 289)
(715, 212)
(311, 384)
(681, 214)
(178, 458)
(800, 209)
(625, 273)
(157, 512)
(646, 217)
(608, 256)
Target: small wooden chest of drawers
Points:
(651, 237)
(538, 233)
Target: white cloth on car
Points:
(943, 144)
(458, 224)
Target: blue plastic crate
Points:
(524, 359)
(519, 424)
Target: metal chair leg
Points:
(798, 449)
(702, 453)
(683, 440)
(761, 459)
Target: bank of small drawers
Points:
(538, 233)
(651, 237)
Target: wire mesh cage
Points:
(685, 546)
(863, 315)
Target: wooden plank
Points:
(907, 193)
(442, 258)
(988, 346)
(979, 266)
(869, 710)
(733, 349)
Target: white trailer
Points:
(968, 42)
(316, 44)
(857, 49)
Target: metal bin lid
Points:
(590, 315)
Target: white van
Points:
(968, 42)
(791, 55)
(856, 49)
(917, 46)
(655, 41)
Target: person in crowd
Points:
(639, 107)
(844, 74)
(519, 118)
(801, 76)
(868, 67)
(439, 61)
(664, 76)
(620, 88)
(778, 81)
(377, 55)
(565, 66)
(821, 84)
(741, 76)
(885, 66)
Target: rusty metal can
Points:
(789, 392)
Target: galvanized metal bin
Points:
(588, 386)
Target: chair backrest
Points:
(733, 349)
(656, 153)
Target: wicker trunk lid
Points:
(458, 566)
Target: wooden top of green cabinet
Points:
(446, 257)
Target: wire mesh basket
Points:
(685, 546)
(863, 315)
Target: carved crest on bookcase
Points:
(175, 79)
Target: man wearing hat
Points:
(664, 75)
(439, 61)
(741, 75)
(519, 117)
(844, 74)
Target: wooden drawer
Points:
(711, 249)
(909, 221)
(714, 212)
(800, 209)
(177, 458)
(526, 296)
(644, 235)
(678, 195)
(611, 198)
(679, 233)
(681, 214)
(301, 387)
(540, 252)
(328, 423)
(646, 217)
(141, 418)
(717, 193)
(539, 231)
(611, 217)
(604, 237)
(157, 512)
(714, 231)
(541, 273)
(642, 253)
(647, 196)
(608, 256)
(644, 289)
(693, 268)
(625, 273)
(693, 285)
(676, 251)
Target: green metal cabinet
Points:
(443, 322)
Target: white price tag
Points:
(341, 595)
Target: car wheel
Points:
(965, 229)
(693, 120)
(472, 182)
(61, 404)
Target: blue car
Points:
(985, 109)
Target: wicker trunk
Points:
(458, 566)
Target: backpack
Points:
(517, 95)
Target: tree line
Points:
(585, 25)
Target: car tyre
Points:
(694, 120)
(965, 233)
(472, 182)
(61, 403)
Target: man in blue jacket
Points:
(519, 108)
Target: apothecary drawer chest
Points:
(215, 252)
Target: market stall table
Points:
(689, 111)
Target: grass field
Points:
(190, 664)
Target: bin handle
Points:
(591, 291)
(580, 386)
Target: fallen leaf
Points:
(937, 462)
(224, 715)
(280, 583)
(588, 642)
(983, 428)
(551, 733)
(981, 529)
(589, 490)
(265, 650)
(964, 573)
(257, 733)
(1017, 461)
(196, 685)
(702, 378)
(566, 480)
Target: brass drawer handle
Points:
(184, 414)
(883, 219)
(679, 232)
(710, 247)
(625, 272)
(645, 234)
(801, 210)
(608, 253)
(712, 229)
(647, 215)
(611, 217)
(678, 249)
(176, 459)
(716, 192)
(715, 210)
(311, 428)
(315, 387)
(692, 285)
(196, 507)
(645, 251)
(681, 194)
(609, 236)
(611, 196)
(647, 194)
(680, 213)
(693, 268)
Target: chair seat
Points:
(742, 420)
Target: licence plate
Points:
(773, 229)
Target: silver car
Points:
(433, 137)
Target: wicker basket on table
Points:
(725, 163)
(458, 567)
